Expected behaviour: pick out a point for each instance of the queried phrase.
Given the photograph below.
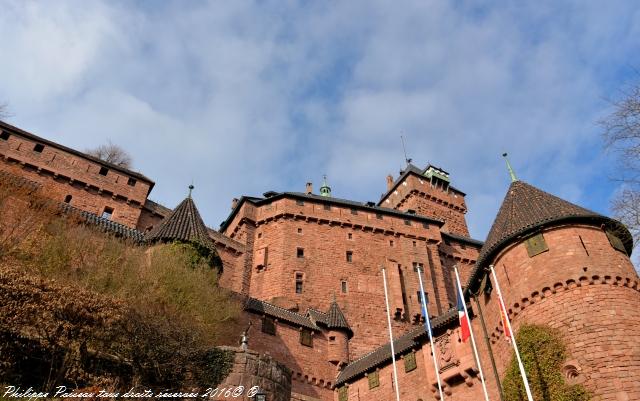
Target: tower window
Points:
(407, 223)
(131, 182)
(306, 337)
(299, 202)
(299, 230)
(4, 135)
(268, 325)
(104, 171)
(67, 199)
(107, 213)
(425, 225)
(343, 285)
(349, 236)
(299, 282)
(391, 243)
(354, 211)
(419, 297)
(38, 148)
(379, 216)
(300, 252)
(349, 256)
(536, 245)
(417, 266)
(327, 207)
(415, 244)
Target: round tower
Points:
(339, 335)
(564, 266)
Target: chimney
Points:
(309, 188)
(389, 182)
(234, 203)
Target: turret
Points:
(339, 335)
(561, 265)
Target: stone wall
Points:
(252, 369)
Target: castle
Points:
(310, 265)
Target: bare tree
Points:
(112, 153)
(622, 135)
(4, 110)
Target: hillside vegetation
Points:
(82, 308)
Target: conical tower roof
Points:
(336, 319)
(526, 208)
(183, 224)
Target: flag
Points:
(505, 327)
(465, 331)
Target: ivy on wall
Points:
(543, 353)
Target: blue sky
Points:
(243, 97)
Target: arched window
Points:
(67, 199)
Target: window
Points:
(343, 393)
(38, 148)
(419, 297)
(299, 230)
(425, 225)
(268, 325)
(614, 240)
(349, 256)
(332, 338)
(306, 337)
(414, 244)
(299, 202)
(374, 379)
(299, 281)
(349, 236)
(343, 286)
(131, 182)
(327, 207)
(4, 135)
(391, 242)
(259, 235)
(104, 171)
(107, 213)
(379, 216)
(410, 362)
(407, 223)
(300, 252)
(417, 266)
(536, 245)
(354, 211)
(67, 199)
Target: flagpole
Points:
(393, 353)
(473, 340)
(513, 338)
(425, 313)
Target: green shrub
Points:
(543, 353)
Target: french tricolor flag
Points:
(465, 331)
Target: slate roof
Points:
(401, 345)
(467, 240)
(412, 169)
(327, 200)
(106, 225)
(265, 308)
(526, 209)
(336, 320)
(317, 316)
(183, 224)
(157, 208)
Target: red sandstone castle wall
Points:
(418, 194)
(457, 373)
(62, 174)
(312, 375)
(589, 293)
(325, 237)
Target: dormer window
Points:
(107, 213)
